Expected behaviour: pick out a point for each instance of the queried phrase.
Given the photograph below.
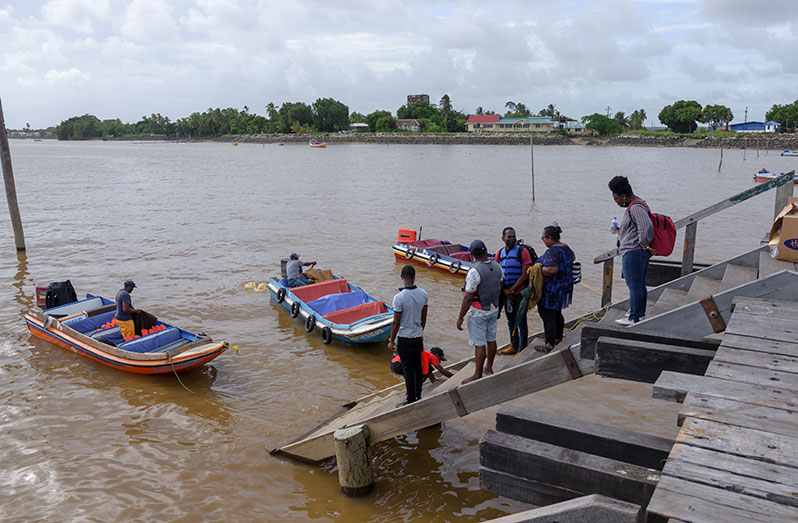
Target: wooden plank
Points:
(538, 374)
(769, 265)
(736, 275)
(777, 348)
(783, 194)
(724, 471)
(668, 300)
(731, 412)
(606, 287)
(757, 359)
(538, 493)
(639, 449)
(688, 253)
(740, 441)
(755, 326)
(701, 288)
(673, 386)
(593, 508)
(661, 272)
(753, 375)
(688, 501)
(574, 470)
(763, 307)
(592, 332)
(643, 361)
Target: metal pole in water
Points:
(721, 159)
(532, 160)
(8, 178)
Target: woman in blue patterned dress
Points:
(558, 286)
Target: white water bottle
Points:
(614, 229)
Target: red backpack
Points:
(664, 232)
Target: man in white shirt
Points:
(409, 319)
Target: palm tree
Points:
(511, 107)
(480, 110)
(271, 110)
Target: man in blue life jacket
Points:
(480, 305)
(514, 261)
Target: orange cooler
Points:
(406, 235)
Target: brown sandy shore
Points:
(777, 142)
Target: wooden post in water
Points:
(532, 161)
(8, 178)
(354, 465)
(606, 288)
(721, 159)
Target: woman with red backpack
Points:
(634, 240)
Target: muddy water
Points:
(192, 223)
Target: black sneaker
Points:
(402, 404)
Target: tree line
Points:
(329, 115)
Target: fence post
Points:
(689, 248)
(606, 288)
(783, 193)
(11, 191)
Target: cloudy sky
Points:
(129, 58)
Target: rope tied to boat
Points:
(285, 371)
(177, 376)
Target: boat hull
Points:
(761, 178)
(370, 330)
(441, 262)
(80, 344)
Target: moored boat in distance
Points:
(765, 176)
(320, 145)
(87, 327)
(443, 255)
(337, 309)
(789, 153)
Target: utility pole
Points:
(8, 178)
(609, 110)
(532, 158)
(745, 120)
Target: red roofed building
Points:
(479, 122)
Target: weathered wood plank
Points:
(740, 441)
(778, 421)
(781, 348)
(592, 332)
(673, 386)
(521, 489)
(736, 275)
(574, 470)
(733, 473)
(624, 445)
(753, 375)
(593, 508)
(701, 288)
(757, 359)
(762, 327)
(511, 383)
(644, 361)
(765, 307)
(688, 501)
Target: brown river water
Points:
(193, 223)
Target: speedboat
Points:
(443, 255)
(765, 176)
(789, 153)
(318, 144)
(87, 327)
(336, 309)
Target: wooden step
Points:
(669, 299)
(701, 288)
(737, 275)
(769, 265)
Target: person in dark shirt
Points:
(125, 310)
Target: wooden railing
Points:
(784, 189)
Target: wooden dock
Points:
(736, 456)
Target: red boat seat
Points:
(463, 256)
(315, 291)
(423, 244)
(356, 313)
(454, 249)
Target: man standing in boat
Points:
(481, 302)
(409, 319)
(125, 310)
(293, 270)
(514, 260)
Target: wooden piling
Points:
(8, 178)
(606, 287)
(354, 465)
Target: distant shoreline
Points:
(775, 141)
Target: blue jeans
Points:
(635, 265)
(296, 282)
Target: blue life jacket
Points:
(511, 264)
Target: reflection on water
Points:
(191, 223)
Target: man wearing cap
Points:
(293, 270)
(124, 310)
(480, 306)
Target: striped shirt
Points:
(636, 229)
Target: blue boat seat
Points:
(75, 307)
(92, 323)
(111, 334)
(338, 301)
(152, 342)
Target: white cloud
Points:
(69, 76)
(149, 22)
(77, 15)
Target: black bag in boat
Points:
(60, 293)
(143, 320)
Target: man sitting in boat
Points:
(434, 357)
(125, 310)
(293, 271)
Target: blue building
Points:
(755, 127)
